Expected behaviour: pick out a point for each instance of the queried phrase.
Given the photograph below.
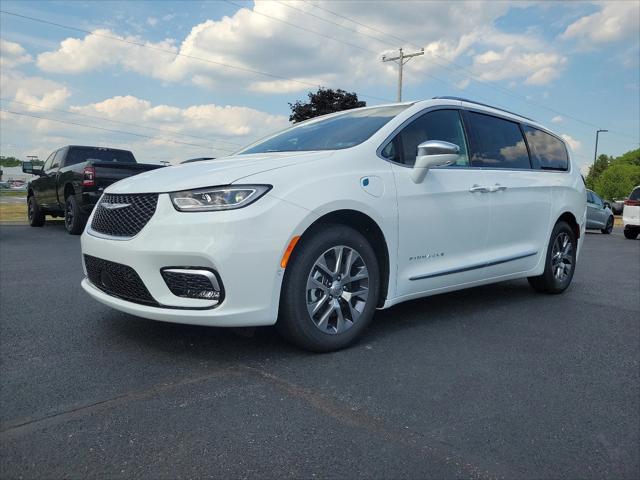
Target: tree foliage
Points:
(596, 169)
(15, 162)
(10, 162)
(619, 177)
(325, 100)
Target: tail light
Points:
(89, 177)
(632, 203)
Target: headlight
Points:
(217, 198)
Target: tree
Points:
(618, 180)
(324, 101)
(596, 169)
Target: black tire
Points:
(74, 219)
(34, 213)
(609, 228)
(295, 322)
(631, 234)
(549, 282)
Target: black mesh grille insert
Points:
(117, 280)
(192, 284)
(124, 215)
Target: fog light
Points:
(193, 282)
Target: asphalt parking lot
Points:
(493, 382)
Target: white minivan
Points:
(316, 227)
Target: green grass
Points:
(13, 193)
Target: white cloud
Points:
(38, 91)
(516, 61)
(557, 119)
(572, 142)
(615, 21)
(153, 21)
(254, 42)
(12, 54)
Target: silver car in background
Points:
(599, 214)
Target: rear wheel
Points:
(330, 290)
(34, 213)
(74, 219)
(560, 262)
(609, 227)
(631, 233)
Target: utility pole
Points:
(595, 154)
(401, 59)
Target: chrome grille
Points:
(118, 280)
(123, 215)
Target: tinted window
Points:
(438, 125)
(547, 151)
(635, 195)
(496, 143)
(82, 154)
(596, 199)
(48, 162)
(57, 158)
(334, 133)
(589, 196)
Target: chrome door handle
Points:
(497, 188)
(478, 188)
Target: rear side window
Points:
(81, 154)
(635, 195)
(496, 143)
(547, 152)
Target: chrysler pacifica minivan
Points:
(316, 227)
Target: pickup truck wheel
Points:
(330, 290)
(74, 219)
(631, 233)
(34, 214)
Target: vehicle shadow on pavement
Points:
(255, 343)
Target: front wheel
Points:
(560, 262)
(609, 227)
(330, 290)
(34, 213)
(74, 219)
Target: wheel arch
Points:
(370, 229)
(571, 220)
(68, 191)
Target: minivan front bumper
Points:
(244, 247)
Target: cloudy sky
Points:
(174, 80)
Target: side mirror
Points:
(433, 153)
(27, 167)
(606, 205)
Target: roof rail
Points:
(446, 97)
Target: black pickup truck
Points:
(71, 182)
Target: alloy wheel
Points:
(562, 257)
(337, 289)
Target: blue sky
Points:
(573, 66)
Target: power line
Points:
(117, 121)
(108, 129)
(174, 53)
(471, 75)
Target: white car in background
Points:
(631, 214)
(318, 226)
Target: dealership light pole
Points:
(595, 154)
(401, 59)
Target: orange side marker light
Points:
(288, 251)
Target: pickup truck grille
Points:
(118, 280)
(123, 215)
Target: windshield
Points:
(333, 133)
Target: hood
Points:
(210, 173)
